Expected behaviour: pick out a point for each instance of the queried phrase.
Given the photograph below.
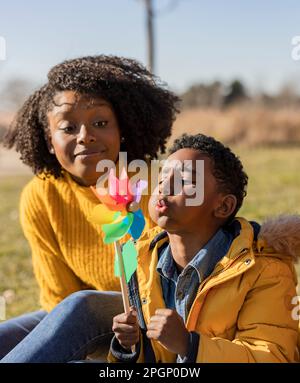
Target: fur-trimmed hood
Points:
(282, 235)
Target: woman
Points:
(90, 109)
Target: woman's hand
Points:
(126, 328)
(168, 328)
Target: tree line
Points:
(219, 95)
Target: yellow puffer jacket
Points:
(245, 311)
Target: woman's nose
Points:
(85, 136)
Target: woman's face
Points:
(83, 131)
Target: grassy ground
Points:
(17, 283)
(274, 188)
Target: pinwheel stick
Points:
(123, 281)
(122, 277)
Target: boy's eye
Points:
(100, 124)
(162, 180)
(187, 181)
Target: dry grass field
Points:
(246, 125)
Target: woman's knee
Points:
(93, 303)
(91, 297)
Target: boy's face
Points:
(172, 212)
(84, 130)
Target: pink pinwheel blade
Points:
(113, 184)
(124, 187)
(119, 188)
(120, 192)
(138, 188)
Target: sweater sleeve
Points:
(56, 280)
(266, 331)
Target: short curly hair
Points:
(227, 167)
(144, 107)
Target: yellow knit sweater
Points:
(68, 251)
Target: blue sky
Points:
(198, 41)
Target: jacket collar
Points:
(149, 280)
(204, 260)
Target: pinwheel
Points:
(119, 214)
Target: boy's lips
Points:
(161, 205)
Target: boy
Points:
(210, 287)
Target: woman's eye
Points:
(68, 129)
(100, 124)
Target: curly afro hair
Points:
(227, 167)
(144, 108)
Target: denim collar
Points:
(203, 262)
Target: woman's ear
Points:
(49, 143)
(50, 147)
(226, 207)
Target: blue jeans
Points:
(78, 326)
(13, 331)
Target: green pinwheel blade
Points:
(129, 255)
(115, 231)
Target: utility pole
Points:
(150, 35)
(151, 14)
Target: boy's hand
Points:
(168, 328)
(126, 328)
